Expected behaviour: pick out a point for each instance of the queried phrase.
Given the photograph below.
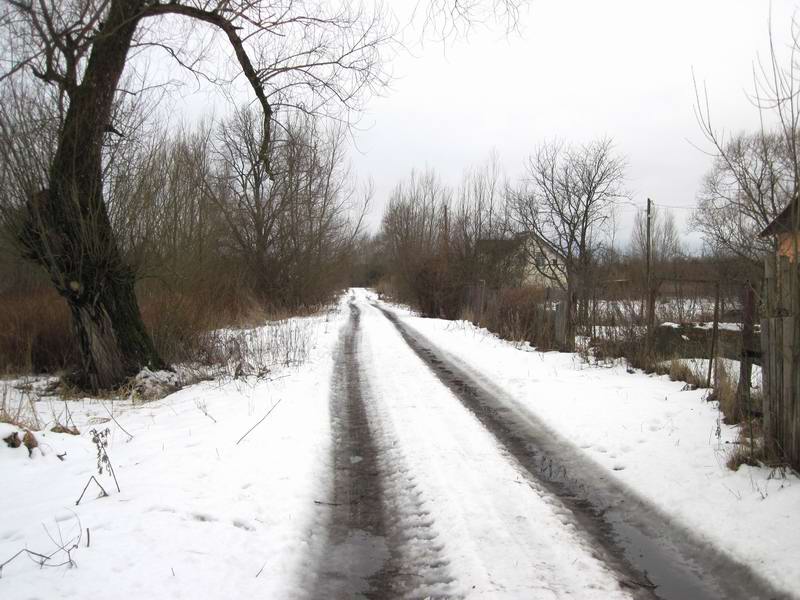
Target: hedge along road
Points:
(428, 500)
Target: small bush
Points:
(523, 314)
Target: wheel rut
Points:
(653, 557)
(381, 540)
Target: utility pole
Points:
(649, 283)
(446, 232)
(649, 238)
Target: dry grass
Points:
(256, 352)
(35, 333)
(725, 392)
(17, 407)
(748, 449)
(681, 370)
(521, 315)
(724, 384)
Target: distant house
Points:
(544, 267)
(501, 262)
(784, 229)
(522, 260)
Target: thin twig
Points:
(113, 474)
(323, 503)
(113, 418)
(30, 553)
(260, 421)
(92, 478)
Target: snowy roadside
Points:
(198, 515)
(666, 444)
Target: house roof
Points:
(498, 248)
(507, 246)
(541, 242)
(783, 223)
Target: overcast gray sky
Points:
(578, 69)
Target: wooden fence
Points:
(780, 345)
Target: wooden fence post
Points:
(714, 333)
(561, 324)
(768, 358)
(746, 363)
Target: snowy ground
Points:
(202, 516)
(199, 516)
(667, 445)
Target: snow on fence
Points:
(780, 343)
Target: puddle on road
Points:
(350, 563)
(672, 580)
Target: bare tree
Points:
(665, 243)
(318, 58)
(78, 48)
(481, 235)
(564, 206)
(315, 213)
(414, 232)
(749, 184)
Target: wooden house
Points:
(785, 229)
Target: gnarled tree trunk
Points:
(69, 232)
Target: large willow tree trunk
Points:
(69, 232)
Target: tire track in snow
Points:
(381, 539)
(633, 538)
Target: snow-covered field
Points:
(667, 309)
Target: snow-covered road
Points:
(404, 458)
(476, 497)
(458, 517)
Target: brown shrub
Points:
(181, 323)
(521, 314)
(12, 440)
(35, 332)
